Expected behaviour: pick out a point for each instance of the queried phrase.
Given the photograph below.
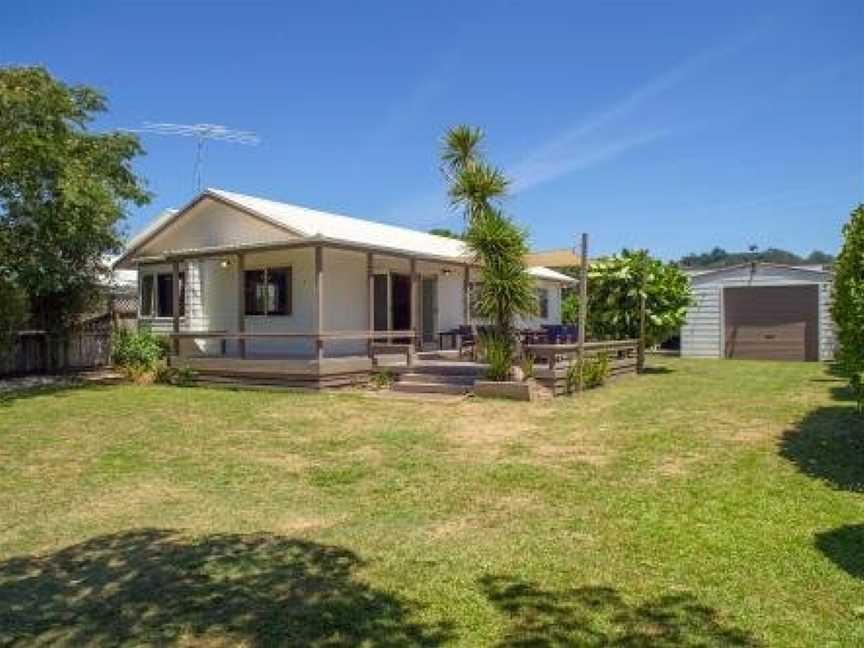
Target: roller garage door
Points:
(772, 322)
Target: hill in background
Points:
(720, 258)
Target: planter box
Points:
(524, 391)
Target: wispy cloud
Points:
(539, 169)
(593, 139)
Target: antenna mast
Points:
(203, 133)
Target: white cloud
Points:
(578, 147)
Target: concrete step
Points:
(430, 388)
(454, 379)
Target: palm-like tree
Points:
(461, 148)
(498, 245)
(474, 184)
(475, 188)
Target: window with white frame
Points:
(157, 294)
(267, 291)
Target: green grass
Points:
(705, 503)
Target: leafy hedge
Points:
(848, 305)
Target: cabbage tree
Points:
(499, 246)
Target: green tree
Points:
(615, 288)
(848, 304)
(499, 246)
(64, 191)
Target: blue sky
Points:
(674, 126)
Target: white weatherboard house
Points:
(232, 275)
(760, 311)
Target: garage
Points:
(760, 311)
(772, 322)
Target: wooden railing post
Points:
(583, 309)
(175, 305)
(640, 351)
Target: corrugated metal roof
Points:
(312, 223)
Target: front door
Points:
(429, 305)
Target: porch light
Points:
(225, 263)
(446, 272)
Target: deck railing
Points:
(563, 355)
(378, 342)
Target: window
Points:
(157, 295)
(165, 295)
(267, 292)
(542, 302)
(146, 303)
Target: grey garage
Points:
(760, 311)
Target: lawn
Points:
(704, 503)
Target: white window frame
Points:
(154, 303)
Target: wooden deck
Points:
(263, 371)
(551, 370)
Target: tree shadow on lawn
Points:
(154, 586)
(828, 444)
(600, 616)
(60, 390)
(845, 547)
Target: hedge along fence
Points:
(621, 358)
(36, 352)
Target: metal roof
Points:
(319, 225)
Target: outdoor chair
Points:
(466, 339)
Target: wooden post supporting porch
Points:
(415, 313)
(175, 305)
(319, 302)
(241, 302)
(370, 298)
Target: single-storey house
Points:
(236, 275)
(760, 311)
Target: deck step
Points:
(453, 379)
(442, 369)
(431, 388)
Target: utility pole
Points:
(583, 307)
(640, 357)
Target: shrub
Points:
(178, 376)
(594, 372)
(615, 288)
(382, 379)
(137, 353)
(498, 350)
(856, 382)
(527, 365)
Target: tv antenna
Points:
(203, 133)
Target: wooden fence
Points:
(35, 352)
